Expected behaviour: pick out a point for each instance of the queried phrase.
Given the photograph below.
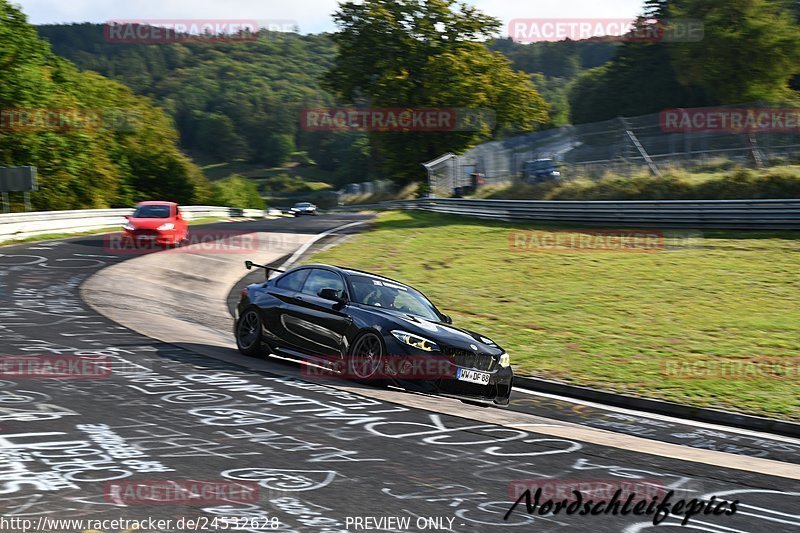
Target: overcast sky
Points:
(312, 16)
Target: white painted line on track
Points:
(300, 251)
(665, 418)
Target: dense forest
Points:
(229, 100)
(242, 101)
(107, 146)
(222, 101)
(749, 52)
(554, 67)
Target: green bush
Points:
(237, 191)
(301, 158)
(286, 184)
(738, 184)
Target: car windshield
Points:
(542, 164)
(303, 205)
(392, 296)
(152, 211)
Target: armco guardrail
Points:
(730, 214)
(20, 225)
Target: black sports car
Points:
(369, 328)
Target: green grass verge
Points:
(309, 173)
(610, 320)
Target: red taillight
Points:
(244, 294)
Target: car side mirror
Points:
(332, 295)
(446, 319)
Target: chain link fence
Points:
(623, 146)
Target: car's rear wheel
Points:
(366, 358)
(248, 333)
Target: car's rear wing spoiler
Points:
(249, 265)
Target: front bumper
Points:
(148, 237)
(497, 391)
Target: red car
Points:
(156, 223)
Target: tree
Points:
(639, 81)
(229, 101)
(749, 52)
(106, 146)
(237, 191)
(422, 54)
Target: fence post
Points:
(755, 153)
(645, 155)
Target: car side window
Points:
(293, 281)
(323, 279)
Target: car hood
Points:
(441, 333)
(148, 223)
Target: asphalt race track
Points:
(296, 455)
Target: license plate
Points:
(473, 376)
(145, 237)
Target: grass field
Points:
(611, 319)
(311, 174)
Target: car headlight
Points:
(166, 226)
(416, 341)
(129, 227)
(505, 360)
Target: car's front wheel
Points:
(366, 359)
(248, 333)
